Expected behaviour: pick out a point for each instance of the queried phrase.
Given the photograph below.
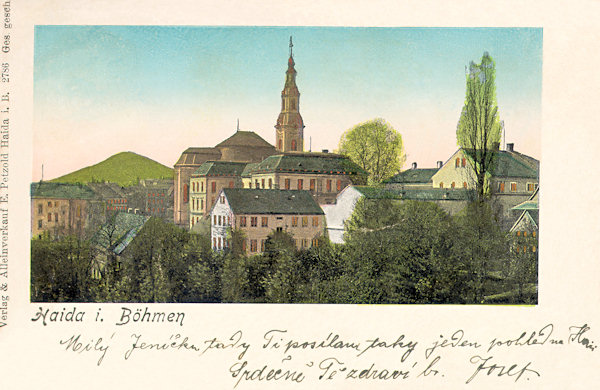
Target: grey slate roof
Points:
(126, 227)
(61, 191)
(412, 176)
(258, 201)
(220, 168)
(319, 163)
(430, 194)
(512, 164)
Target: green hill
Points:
(124, 168)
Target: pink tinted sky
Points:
(156, 91)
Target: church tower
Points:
(290, 127)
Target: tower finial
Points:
(291, 46)
(238, 125)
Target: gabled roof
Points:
(125, 225)
(220, 168)
(107, 190)
(528, 216)
(429, 194)
(245, 139)
(511, 164)
(412, 176)
(319, 163)
(257, 201)
(61, 191)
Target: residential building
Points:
(60, 209)
(258, 212)
(450, 200)
(152, 197)
(413, 178)
(206, 183)
(324, 175)
(525, 229)
(514, 177)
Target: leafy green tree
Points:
(400, 256)
(479, 128)
(376, 147)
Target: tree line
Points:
(395, 252)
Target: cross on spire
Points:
(291, 45)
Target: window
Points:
(214, 220)
(453, 185)
(304, 221)
(40, 223)
(55, 217)
(287, 184)
(294, 144)
(49, 204)
(186, 193)
(213, 186)
(201, 186)
(214, 243)
(531, 187)
(501, 186)
(304, 243)
(463, 162)
(242, 221)
(262, 245)
(253, 246)
(222, 199)
(243, 245)
(219, 244)
(201, 204)
(328, 185)
(262, 183)
(441, 184)
(300, 184)
(533, 249)
(315, 221)
(256, 184)
(457, 163)
(279, 229)
(220, 220)
(270, 183)
(264, 221)
(194, 186)
(253, 221)
(524, 234)
(279, 143)
(339, 185)
(464, 184)
(49, 217)
(228, 220)
(312, 184)
(513, 187)
(40, 211)
(231, 184)
(518, 233)
(294, 221)
(315, 242)
(533, 233)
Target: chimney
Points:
(414, 165)
(510, 147)
(439, 164)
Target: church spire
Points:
(290, 126)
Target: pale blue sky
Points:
(99, 90)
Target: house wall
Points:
(449, 173)
(303, 235)
(59, 216)
(202, 196)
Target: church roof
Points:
(220, 168)
(320, 163)
(196, 156)
(256, 201)
(245, 139)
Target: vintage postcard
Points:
(223, 198)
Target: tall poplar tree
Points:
(479, 129)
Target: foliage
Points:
(125, 169)
(376, 147)
(479, 128)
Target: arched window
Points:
(294, 144)
(186, 193)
